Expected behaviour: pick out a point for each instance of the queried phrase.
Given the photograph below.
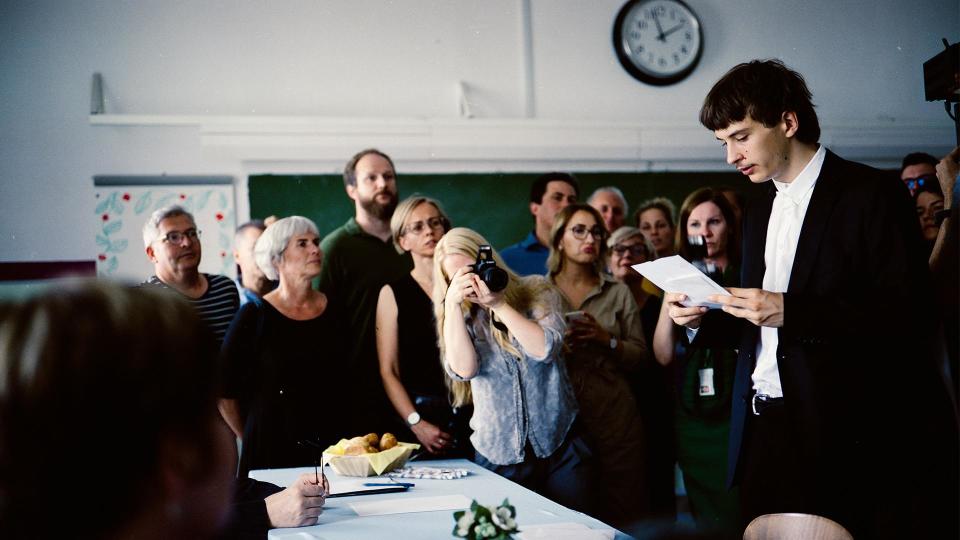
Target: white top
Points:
(783, 232)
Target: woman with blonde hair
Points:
(406, 339)
(507, 344)
(605, 343)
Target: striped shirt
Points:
(218, 304)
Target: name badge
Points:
(706, 382)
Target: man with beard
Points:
(359, 259)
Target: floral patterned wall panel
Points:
(121, 211)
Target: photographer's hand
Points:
(484, 296)
(461, 288)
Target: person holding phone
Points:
(704, 374)
(503, 346)
(605, 343)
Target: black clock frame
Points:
(635, 71)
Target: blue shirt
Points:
(516, 401)
(527, 257)
(246, 295)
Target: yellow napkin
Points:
(379, 461)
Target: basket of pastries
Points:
(368, 455)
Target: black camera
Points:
(491, 274)
(697, 248)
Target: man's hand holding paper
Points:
(762, 308)
(675, 274)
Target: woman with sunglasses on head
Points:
(605, 343)
(283, 358)
(704, 375)
(407, 341)
(503, 347)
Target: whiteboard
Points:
(123, 205)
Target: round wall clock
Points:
(658, 41)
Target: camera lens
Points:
(495, 278)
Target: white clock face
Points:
(661, 38)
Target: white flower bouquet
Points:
(497, 523)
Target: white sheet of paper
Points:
(407, 505)
(675, 274)
(564, 531)
(338, 484)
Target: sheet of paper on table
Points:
(675, 274)
(563, 531)
(410, 504)
(338, 484)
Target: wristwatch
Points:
(941, 215)
(413, 419)
(613, 343)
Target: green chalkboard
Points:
(496, 205)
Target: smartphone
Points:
(574, 316)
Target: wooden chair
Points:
(795, 527)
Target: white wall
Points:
(402, 59)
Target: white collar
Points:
(803, 184)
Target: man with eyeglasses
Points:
(549, 194)
(917, 170)
(172, 244)
(359, 259)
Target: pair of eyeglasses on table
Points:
(383, 487)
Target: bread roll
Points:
(372, 439)
(355, 450)
(358, 441)
(388, 441)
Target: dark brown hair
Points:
(94, 378)
(715, 196)
(762, 90)
(350, 170)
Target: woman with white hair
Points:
(504, 348)
(278, 355)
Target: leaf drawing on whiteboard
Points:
(143, 203)
(202, 200)
(105, 203)
(119, 246)
(112, 227)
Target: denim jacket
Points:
(519, 401)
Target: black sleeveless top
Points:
(420, 369)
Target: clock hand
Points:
(670, 31)
(660, 35)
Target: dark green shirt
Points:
(356, 265)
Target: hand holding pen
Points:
(300, 504)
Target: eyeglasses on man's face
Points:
(176, 237)
(580, 231)
(417, 227)
(636, 250)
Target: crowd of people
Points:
(552, 362)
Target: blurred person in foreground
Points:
(94, 384)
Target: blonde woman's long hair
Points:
(519, 294)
